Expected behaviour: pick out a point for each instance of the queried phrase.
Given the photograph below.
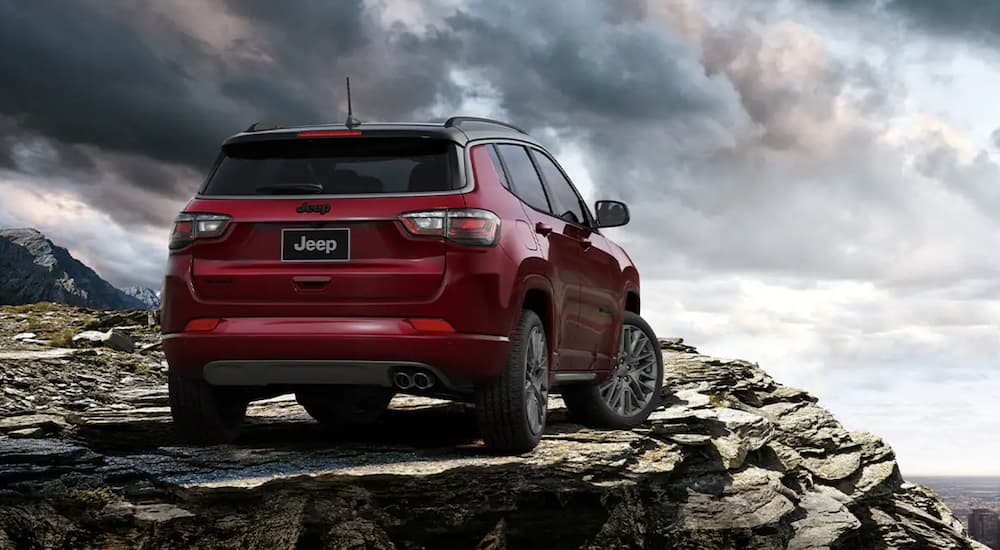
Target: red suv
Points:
(348, 263)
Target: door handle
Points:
(543, 229)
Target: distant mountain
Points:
(33, 269)
(145, 295)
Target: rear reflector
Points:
(330, 133)
(431, 325)
(202, 325)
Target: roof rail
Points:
(456, 120)
(261, 126)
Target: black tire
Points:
(587, 405)
(502, 408)
(344, 406)
(204, 413)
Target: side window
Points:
(524, 179)
(565, 202)
(495, 158)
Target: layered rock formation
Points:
(731, 460)
(33, 269)
(147, 296)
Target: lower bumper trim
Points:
(309, 372)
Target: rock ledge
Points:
(731, 460)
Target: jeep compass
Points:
(346, 264)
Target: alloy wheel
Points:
(536, 380)
(633, 381)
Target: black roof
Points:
(459, 129)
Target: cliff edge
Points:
(732, 459)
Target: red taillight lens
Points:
(189, 227)
(473, 227)
(468, 226)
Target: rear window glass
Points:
(335, 167)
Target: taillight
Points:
(191, 226)
(468, 226)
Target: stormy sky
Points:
(813, 182)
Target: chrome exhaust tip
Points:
(423, 381)
(402, 380)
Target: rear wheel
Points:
(512, 411)
(344, 406)
(206, 413)
(632, 391)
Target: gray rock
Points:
(833, 466)
(691, 439)
(38, 355)
(39, 422)
(677, 345)
(826, 520)
(114, 339)
(150, 513)
(749, 499)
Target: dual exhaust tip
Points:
(420, 380)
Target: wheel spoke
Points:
(623, 396)
(640, 391)
(606, 389)
(619, 396)
(634, 343)
(541, 403)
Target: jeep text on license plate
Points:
(316, 245)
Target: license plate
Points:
(316, 245)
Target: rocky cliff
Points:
(33, 269)
(149, 297)
(731, 460)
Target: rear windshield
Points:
(335, 167)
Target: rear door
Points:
(315, 220)
(563, 252)
(600, 297)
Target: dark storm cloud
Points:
(104, 79)
(972, 20)
(588, 66)
(76, 74)
(736, 163)
(308, 29)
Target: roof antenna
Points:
(351, 121)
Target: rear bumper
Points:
(317, 350)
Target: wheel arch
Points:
(632, 301)
(537, 295)
(631, 284)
